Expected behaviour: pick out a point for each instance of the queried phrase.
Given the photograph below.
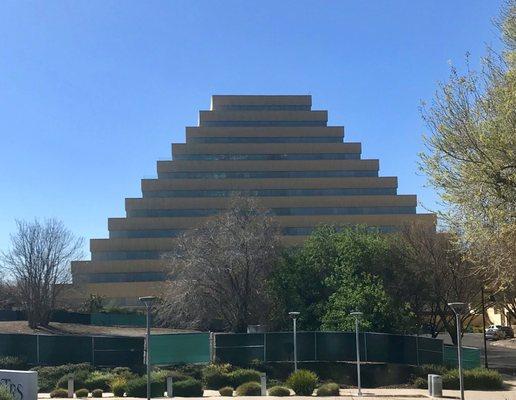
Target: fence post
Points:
(93, 351)
(315, 346)
(417, 348)
(264, 347)
(212, 347)
(365, 347)
(37, 349)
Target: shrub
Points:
(420, 383)
(302, 382)
(425, 369)
(138, 388)
(59, 393)
(97, 393)
(82, 393)
(241, 376)
(48, 377)
(79, 378)
(99, 380)
(191, 370)
(226, 391)
(118, 387)
(188, 388)
(14, 363)
(328, 389)
(5, 394)
(279, 391)
(474, 379)
(216, 376)
(249, 389)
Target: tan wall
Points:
(84, 267)
(268, 165)
(264, 148)
(269, 183)
(238, 115)
(256, 131)
(222, 100)
(272, 202)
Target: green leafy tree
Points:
(471, 156)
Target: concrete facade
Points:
(275, 148)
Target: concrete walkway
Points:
(377, 394)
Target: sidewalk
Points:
(377, 394)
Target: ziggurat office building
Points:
(274, 148)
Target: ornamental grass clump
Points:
(118, 386)
(226, 391)
(279, 391)
(59, 394)
(97, 393)
(302, 382)
(82, 393)
(5, 393)
(328, 389)
(249, 389)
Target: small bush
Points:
(240, 376)
(5, 394)
(97, 393)
(118, 387)
(14, 363)
(99, 380)
(82, 393)
(59, 393)
(226, 391)
(302, 382)
(188, 388)
(249, 389)
(420, 383)
(138, 388)
(79, 379)
(216, 376)
(279, 391)
(328, 389)
(48, 377)
(474, 379)
(424, 370)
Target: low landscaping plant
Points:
(226, 391)
(48, 377)
(82, 393)
(99, 380)
(59, 393)
(188, 388)
(97, 393)
(240, 376)
(118, 387)
(249, 389)
(14, 363)
(328, 389)
(5, 393)
(420, 383)
(216, 376)
(79, 379)
(474, 379)
(279, 391)
(138, 388)
(302, 382)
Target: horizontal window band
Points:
(291, 156)
(278, 211)
(257, 139)
(271, 192)
(265, 174)
(262, 123)
(152, 233)
(113, 277)
(156, 255)
(263, 107)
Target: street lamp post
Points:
(458, 309)
(357, 315)
(294, 315)
(148, 300)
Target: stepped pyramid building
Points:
(273, 147)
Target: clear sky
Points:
(92, 93)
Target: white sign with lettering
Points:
(23, 385)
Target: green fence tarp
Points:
(18, 345)
(118, 351)
(327, 346)
(470, 357)
(109, 319)
(180, 348)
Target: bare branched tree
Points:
(219, 270)
(37, 265)
(449, 276)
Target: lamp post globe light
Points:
(294, 315)
(357, 315)
(148, 300)
(459, 309)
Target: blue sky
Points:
(92, 93)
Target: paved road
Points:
(497, 355)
